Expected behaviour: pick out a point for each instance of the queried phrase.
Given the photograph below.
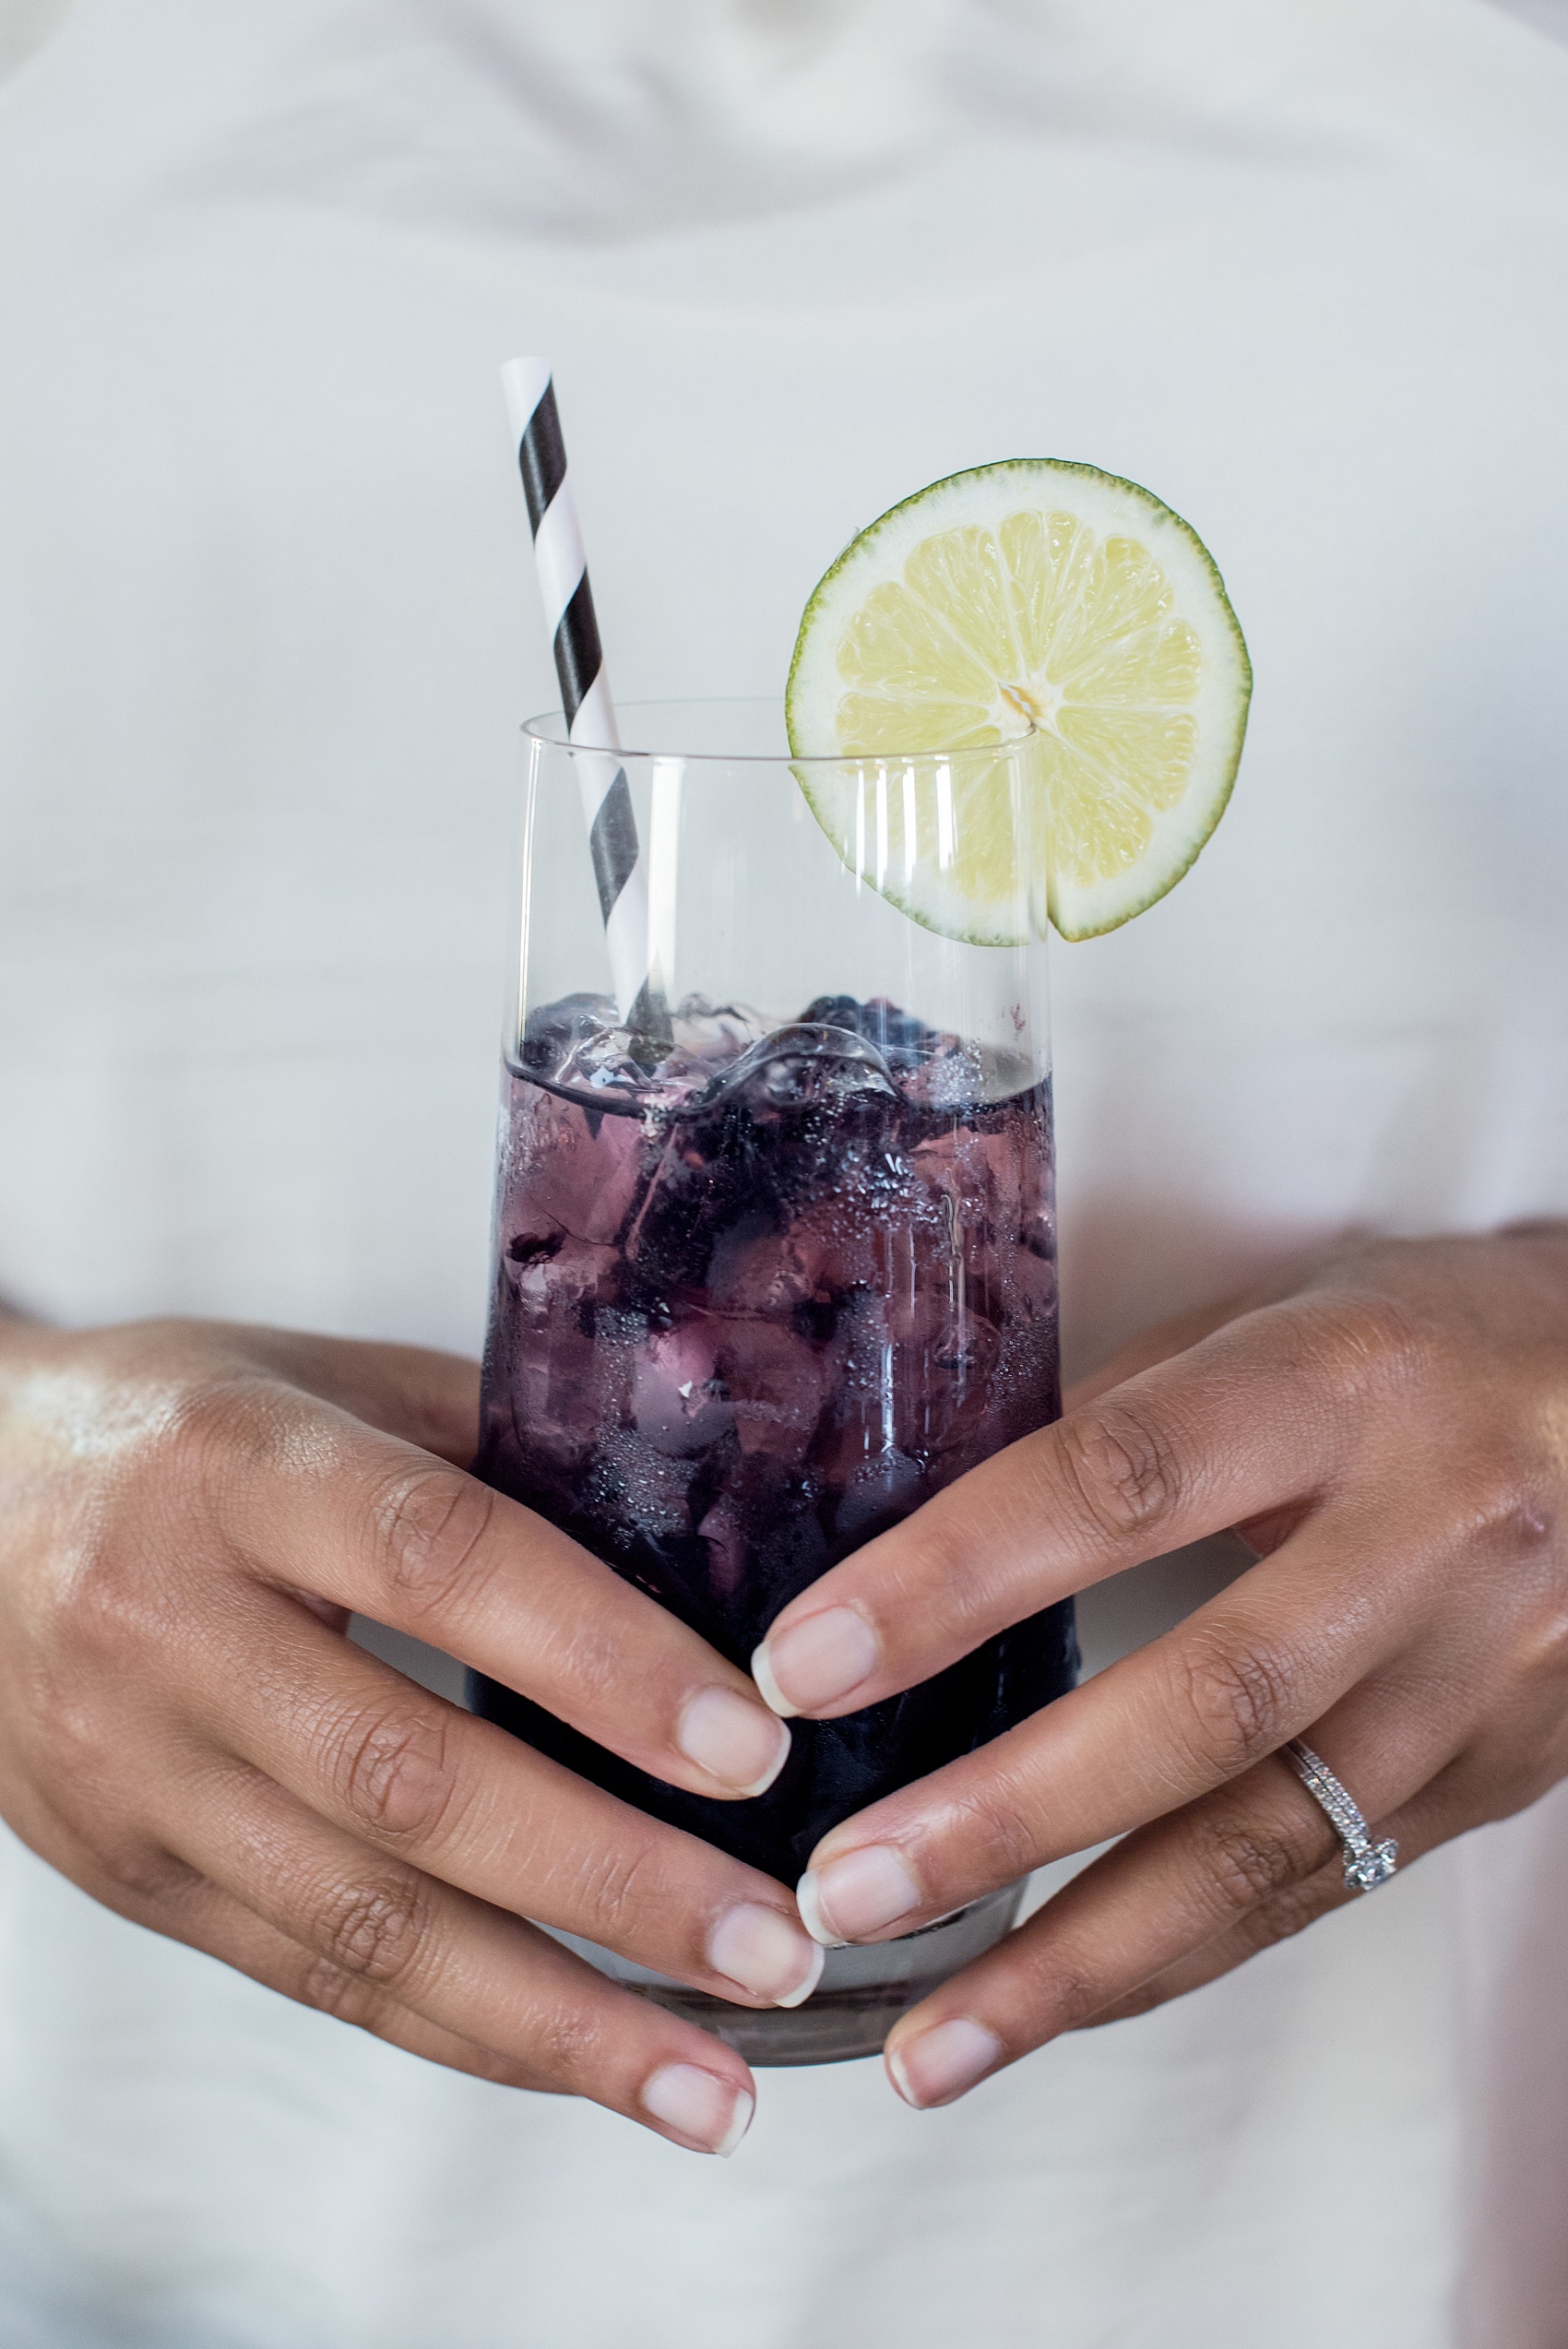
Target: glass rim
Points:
(549, 730)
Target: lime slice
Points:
(1034, 599)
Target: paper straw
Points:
(619, 866)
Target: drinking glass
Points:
(774, 1252)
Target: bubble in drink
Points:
(752, 1308)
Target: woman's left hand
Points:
(1392, 1439)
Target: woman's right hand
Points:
(188, 1514)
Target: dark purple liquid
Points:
(749, 1313)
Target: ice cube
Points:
(562, 1175)
(678, 1396)
(806, 1065)
(774, 1385)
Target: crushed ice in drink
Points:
(755, 1304)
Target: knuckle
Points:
(1074, 1994)
(223, 1440)
(373, 1930)
(126, 1558)
(1513, 1520)
(583, 1656)
(1289, 1912)
(220, 1424)
(391, 1771)
(1122, 1467)
(1377, 1346)
(997, 1829)
(347, 1997)
(99, 1611)
(1231, 1697)
(144, 1876)
(429, 1525)
(73, 1720)
(622, 1890)
(111, 1597)
(567, 2046)
(1061, 1986)
(1245, 1861)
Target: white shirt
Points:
(267, 627)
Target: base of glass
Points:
(861, 1996)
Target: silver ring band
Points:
(1367, 1864)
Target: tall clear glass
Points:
(771, 1274)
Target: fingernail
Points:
(815, 1663)
(734, 1741)
(812, 1917)
(856, 1895)
(710, 2113)
(764, 1953)
(939, 2064)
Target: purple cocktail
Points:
(753, 1304)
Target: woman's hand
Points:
(187, 1516)
(1392, 1439)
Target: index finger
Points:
(1250, 1419)
(316, 1500)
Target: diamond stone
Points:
(1372, 1865)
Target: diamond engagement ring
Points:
(1367, 1864)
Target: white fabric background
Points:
(266, 629)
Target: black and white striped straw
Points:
(620, 868)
